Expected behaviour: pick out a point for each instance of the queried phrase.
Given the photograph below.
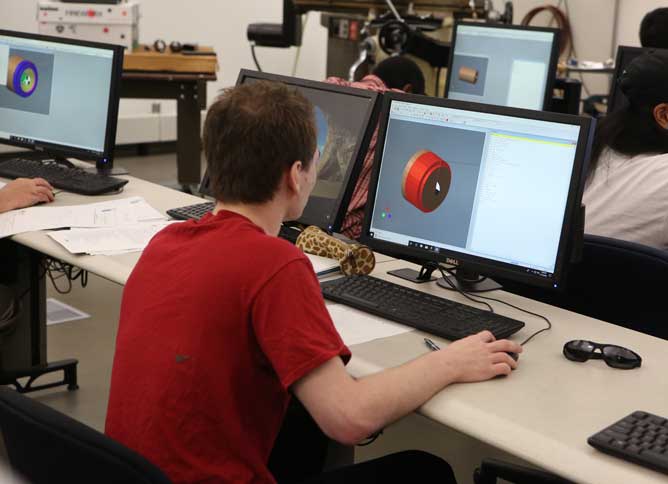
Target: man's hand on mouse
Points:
(24, 192)
(481, 357)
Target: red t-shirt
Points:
(218, 320)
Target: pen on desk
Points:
(431, 345)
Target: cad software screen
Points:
(475, 183)
(341, 122)
(505, 67)
(54, 93)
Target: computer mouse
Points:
(514, 356)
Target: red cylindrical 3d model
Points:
(426, 181)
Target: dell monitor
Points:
(490, 190)
(503, 65)
(60, 96)
(346, 120)
(625, 55)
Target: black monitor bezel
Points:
(350, 180)
(105, 160)
(487, 267)
(554, 54)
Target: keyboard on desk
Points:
(191, 212)
(641, 438)
(197, 211)
(73, 180)
(432, 314)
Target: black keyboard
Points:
(66, 178)
(198, 211)
(641, 438)
(191, 212)
(432, 314)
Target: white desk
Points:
(542, 413)
(115, 268)
(547, 408)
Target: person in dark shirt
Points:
(654, 29)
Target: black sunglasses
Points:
(613, 355)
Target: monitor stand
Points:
(417, 277)
(101, 169)
(466, 280)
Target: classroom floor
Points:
(92, 342)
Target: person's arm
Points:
(24, 192)
(350, 410)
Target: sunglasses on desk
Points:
(613, 355)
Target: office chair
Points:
(491, 469)
(46, 446)
(283, 35)
(616, 281)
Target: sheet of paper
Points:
(357, 327)
(108, 241)
(126, 211)
(323, 265)
(58, 312)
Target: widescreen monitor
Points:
(346, 119)
(625, 55)
(503, 65)
(490, 189)
(59, 95)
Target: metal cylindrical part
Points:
(21, 76)
(426, 181)
(468, 74)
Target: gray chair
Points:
(45, 446)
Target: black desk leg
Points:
(190, 102)
(23, 347)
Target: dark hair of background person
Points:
(654, 29)
(396, 72)
(253, 134)
(632, 130)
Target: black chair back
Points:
(617, 281)
(45, 446)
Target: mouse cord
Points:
(468, 296)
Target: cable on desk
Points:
(57, 270)
(371, 439)
(257, 64)
(444, 270)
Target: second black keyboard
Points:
(73, 180)
(191, 212)
(199, 210)
(640, 437)
(438, 316)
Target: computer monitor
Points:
(504, 65)
(60, 95)
(492, 190)
(625, 55)
(346, 120)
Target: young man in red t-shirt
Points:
(221, 321)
